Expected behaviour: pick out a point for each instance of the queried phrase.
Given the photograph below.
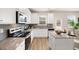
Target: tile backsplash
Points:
(5, 27)
(4, 34)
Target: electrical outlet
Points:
(1, 30)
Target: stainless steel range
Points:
(17, 32)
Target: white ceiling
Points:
(53, 9)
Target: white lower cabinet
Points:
(21, 46)
(51, 41)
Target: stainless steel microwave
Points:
(20, 17)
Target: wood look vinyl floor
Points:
(40, 44)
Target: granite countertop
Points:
(61, 36)
(11, 43)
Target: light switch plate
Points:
(1, 30)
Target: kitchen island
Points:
(61, 42)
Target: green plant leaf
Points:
(73, 24)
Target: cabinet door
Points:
(21, 46)
(7, 16)
(27, 43)
(43, 19)
(34, 19)
(28, 15)
(51, 41)
(64, 44)
(50, 18)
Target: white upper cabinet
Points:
(50, 18)
(7, 16)
(45, 18)
(34, 18)
(28, 15)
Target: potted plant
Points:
(75, 26)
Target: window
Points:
(71, 17)
(42, 19)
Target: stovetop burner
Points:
(24, 34)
